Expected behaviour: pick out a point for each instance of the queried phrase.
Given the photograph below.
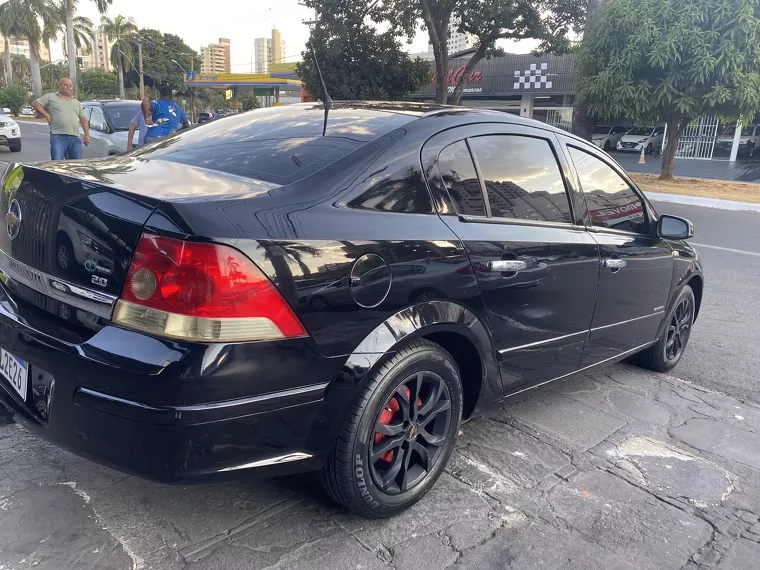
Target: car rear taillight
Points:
(201, 291)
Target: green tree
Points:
(666, 60)
(21, 69)
(250, 102)
(14, 97)
(359, 63)
(9, 26)
(71, 32)
(488, 20)
(31, 17)
(165, 56)
(97, 84)
(119, 30)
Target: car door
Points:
(536, 268)
(98, 135)
(636, 266)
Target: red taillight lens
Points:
(201, 291)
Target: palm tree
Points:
(119, 29)
(69, 7)
(83, 31)
(20, 67)
(8, 27)
(31, 17)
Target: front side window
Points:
(522, 178)
(458, 174)
(611, 201)
(97, 118)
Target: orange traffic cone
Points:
(642, 158)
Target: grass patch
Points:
(701, 187)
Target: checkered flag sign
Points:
(533, 78)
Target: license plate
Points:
(14, 371)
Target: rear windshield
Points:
(277, 145)
(121, 115)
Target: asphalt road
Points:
(725, 345)
(35, 144)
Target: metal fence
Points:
(698, 139)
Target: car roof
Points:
(110, 101)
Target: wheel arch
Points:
(450, 325)
(696, 282)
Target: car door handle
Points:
(614, 263)
(507, 265)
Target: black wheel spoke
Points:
(415, 391)
(433, 397)
(432, 439)
(389, 476)
(405, 469)
(423, 454)
(441, 406)
(386, 445)
(403, 402)
(389, 429)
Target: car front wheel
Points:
(669, 348)
(399, 435)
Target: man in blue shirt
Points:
(163, 117)
(137, 124)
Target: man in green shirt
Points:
(64, 114)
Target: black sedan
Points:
(264, 296)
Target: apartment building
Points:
(215, 58)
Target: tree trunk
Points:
(440, 49)
(72, 50)
(8, 65)
(583, 122)
(479, 54)
(674, 132)
(34, 64)
(121, 76)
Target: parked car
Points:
(6, 111)
(10, 132)
(606, 137)
(637, 138)
(183, 351)
(204, 117)
(747, 140)
(109, 125)
(27, 111)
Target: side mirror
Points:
(673, 227)
(102, 127)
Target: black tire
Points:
(351, 477)
(15, 145)
(319, 303)
(607, 145)
(660, 356)
(64, 253)
(649, 148)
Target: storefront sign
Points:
(456, 74)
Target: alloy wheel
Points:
(410, 433)
(678, 330)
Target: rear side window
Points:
(611, 202)
(522, 178)
(458, 174)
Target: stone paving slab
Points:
(622, 469)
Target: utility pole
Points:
(192, 92)
(140, 64)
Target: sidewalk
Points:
(743, 170)
(624, 469)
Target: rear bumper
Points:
(137, 404)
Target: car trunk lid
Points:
(66, 242)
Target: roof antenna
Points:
(326, 100)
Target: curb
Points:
(703, 202)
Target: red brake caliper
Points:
(386, 416)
